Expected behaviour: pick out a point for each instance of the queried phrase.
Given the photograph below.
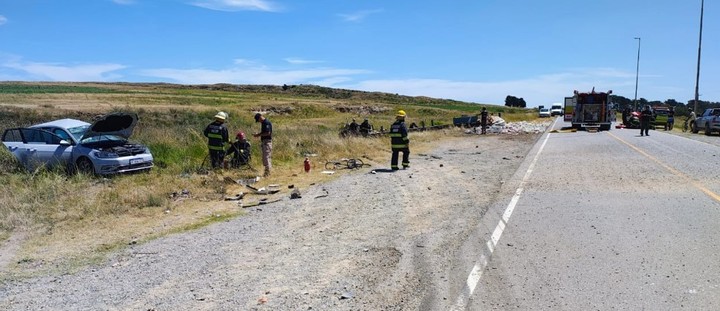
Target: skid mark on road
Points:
(671, 169)
(477, 270)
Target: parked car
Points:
(660, 117)
(708, 122)
(100, 148)
(544, 113)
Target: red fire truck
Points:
(589, 111)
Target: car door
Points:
(12, 139)
(38, 147)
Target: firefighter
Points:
(645, 117)
(399, 141)
(217, 134)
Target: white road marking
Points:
(477, 270)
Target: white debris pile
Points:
(521, 127)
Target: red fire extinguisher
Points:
(307, 165)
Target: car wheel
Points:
(707, 129)
(85, 166)
(694, 128)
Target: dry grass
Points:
(70, 221)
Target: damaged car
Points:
(101, 148)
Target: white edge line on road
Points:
(476, 272)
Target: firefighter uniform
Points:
(217, 134)
(399, 141)
(645, 118)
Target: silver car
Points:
(100, 148)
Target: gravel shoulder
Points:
(366, 241)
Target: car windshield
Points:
(103, 139)
(77, 132)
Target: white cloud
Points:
(59, 72)
(300, 61)
(359, 15)
(540, 90)
(237, 5)
(258, 75)
(3, 20)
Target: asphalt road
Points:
(603, 221)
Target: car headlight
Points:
(105, 154)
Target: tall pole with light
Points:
(697, 76)
(637, 72)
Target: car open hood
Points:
(119, 124)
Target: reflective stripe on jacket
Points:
(398, 135)
(217, 134)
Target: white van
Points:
(556, 110)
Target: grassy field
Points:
(67, 221)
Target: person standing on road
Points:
(483, 121)
(399, 141)
(217, 134)
(671, 118)
(645, 117)
(265, 135)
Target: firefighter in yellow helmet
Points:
(399, 141)
(217, 134)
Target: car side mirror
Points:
(65, 143)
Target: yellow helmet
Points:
(401, 113)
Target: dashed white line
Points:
(477, 270)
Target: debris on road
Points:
(262, 190)
(236, 197)
(295, 194)
(513, 128)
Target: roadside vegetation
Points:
(69, 220)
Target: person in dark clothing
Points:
(265, 135)
(626, 116)
(353, 127)
(483, 121)
(399, 141)
(645, 117)
(365, 127)
(239, 151)
(217, 134)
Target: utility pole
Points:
(697, 76)
(637, 72)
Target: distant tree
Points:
(512, 101)
(284, 87)
(621, 102)
(673, 103)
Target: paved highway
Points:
(604, 221)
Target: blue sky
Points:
(471, 50)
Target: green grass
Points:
(11, 88)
